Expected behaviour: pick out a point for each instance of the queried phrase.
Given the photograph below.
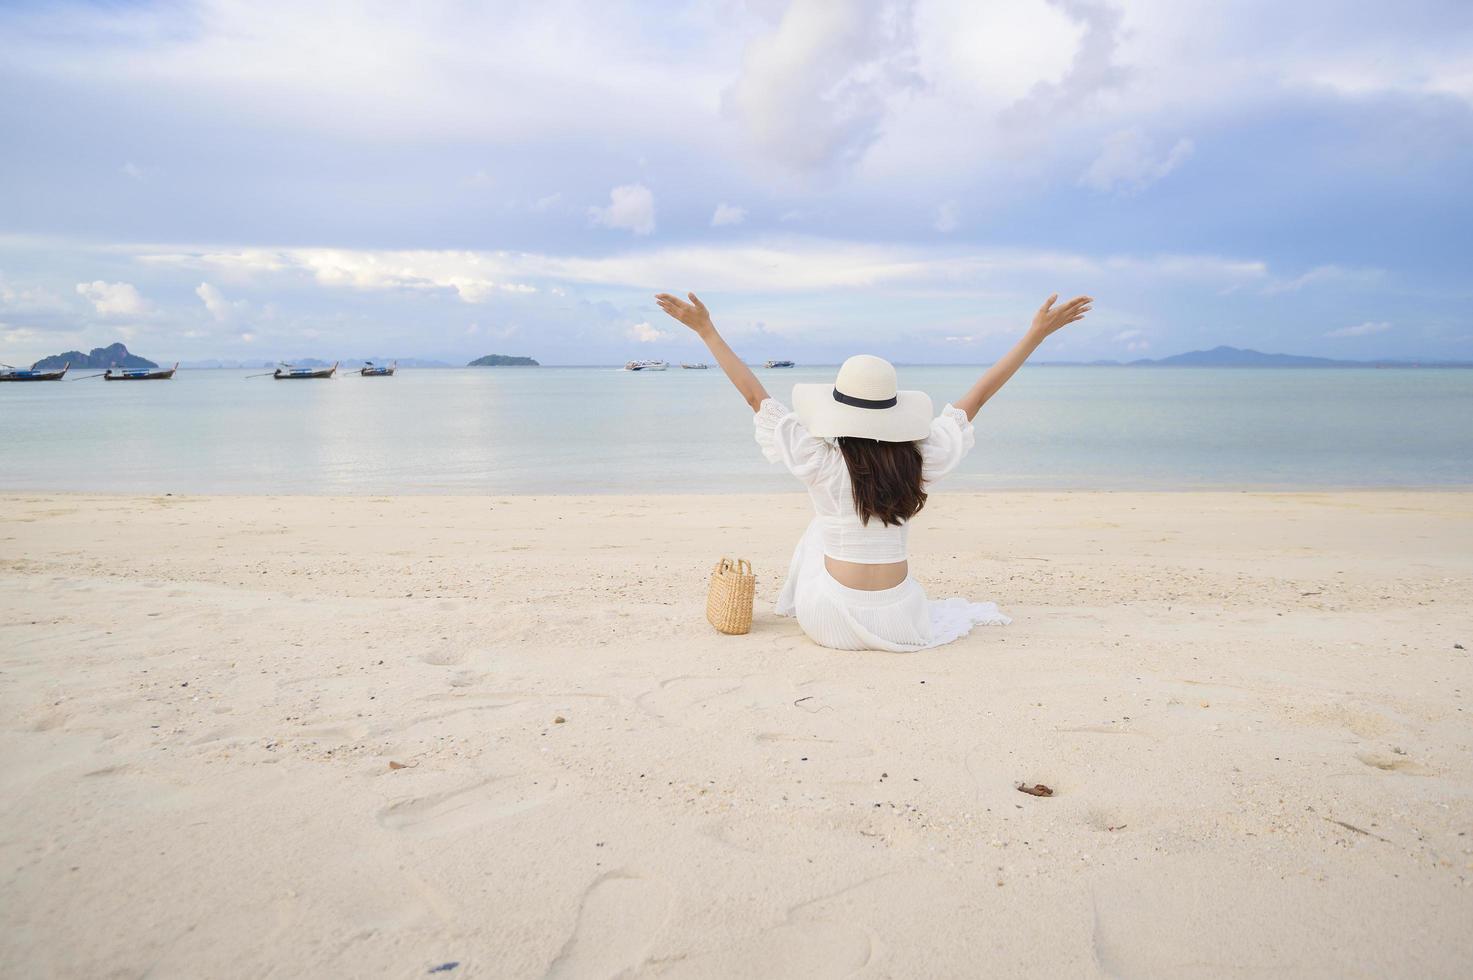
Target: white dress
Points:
(899, 619)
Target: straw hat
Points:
(863, 401)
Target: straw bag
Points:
(729, 601)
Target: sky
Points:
(252, 180)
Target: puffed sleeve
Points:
(951, 438)
(784, 439)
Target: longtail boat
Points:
(372, 370)
(288, 373)
(31, 374)
(140, 374)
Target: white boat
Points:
(779, 364)
(694, 367)
(646, 366)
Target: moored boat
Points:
(646, 366)
(31, 374)
(779, 364)
(288, 373)
(694, 367)
(372, 370)
(140, 374)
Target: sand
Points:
(1252, 709)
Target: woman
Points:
(867, 454)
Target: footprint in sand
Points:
(50, 720)
(619, 919)
(463, 809)
(817, 748)
(816, 950)
(675, 697)
(444, 657)
(1391, 762)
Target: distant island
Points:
(1225, 356)
(215, 364)
(101, 358)
(503, 360)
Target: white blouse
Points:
(819, 463)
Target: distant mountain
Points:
(101, 358)
(214, 364)
(1239, 357)
(408, 362)
(1242, 357)
(503, 360)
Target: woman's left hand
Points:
(693, 314)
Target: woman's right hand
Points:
(1050, 318)
(693, 314)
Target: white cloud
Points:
(112, 298)
(29, 299)
(783, 265)
(646, 333)
(1321, 274)
(728, 214)
(814, 90)
(948, 217)
(631, 206)
(1125, 335)
(220, 308)
(1129, 163)
(1361, 329)
(1092, 71)
(474, 290)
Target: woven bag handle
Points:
(722, 566)
(743, 567)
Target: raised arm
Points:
(1048, 319)
(695, 315)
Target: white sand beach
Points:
(1256, 712)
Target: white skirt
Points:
(900, 619)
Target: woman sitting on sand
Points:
(867, 454)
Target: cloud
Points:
(1321, 274)
(728, 214)
(1361, 329)
(948, 217)
(220, 308)
(112, 298)
(646, 333)
(1125, 335)
(1129, 164)
(1093, 70)
(814, 91)
(631, 206)
(29, 299)
(778, 265)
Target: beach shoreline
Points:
(370, 735)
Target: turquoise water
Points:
(581, 430)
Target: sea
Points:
(580, 430)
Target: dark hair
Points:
(886, 477)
